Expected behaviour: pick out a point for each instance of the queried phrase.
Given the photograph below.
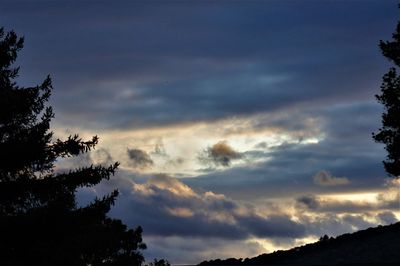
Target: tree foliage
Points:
(40, 220)
(389, 133)
(160, 262)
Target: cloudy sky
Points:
(241, 127)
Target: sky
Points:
(242, 127)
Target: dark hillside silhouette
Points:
(40, 222)
(374, 246)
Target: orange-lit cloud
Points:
(325, 178)
(220, 153)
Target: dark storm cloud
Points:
(138, 64)
(139, 158)
(220, 154)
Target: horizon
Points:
(241, 127)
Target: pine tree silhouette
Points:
(389, 133)
(40, 221)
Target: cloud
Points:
(101, 156)
(324, 178)
(165, 206)
(182, 251)
(333, 225)
(387, 217)
(185, 212)
(357, 220)
(221, 154)
(281, 226)
(139, 158)
(159, 149)
(391, 198)
(155, 80)
(176, 161)
(172, 212)
(388, 200)
(309, 201)
(291, 165)
(319, 204)
(147, 78)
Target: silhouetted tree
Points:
(161, 262)
(324, 238)
(40, 222)
(389, 133)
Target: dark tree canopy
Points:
(389, 133)
(40, 221)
